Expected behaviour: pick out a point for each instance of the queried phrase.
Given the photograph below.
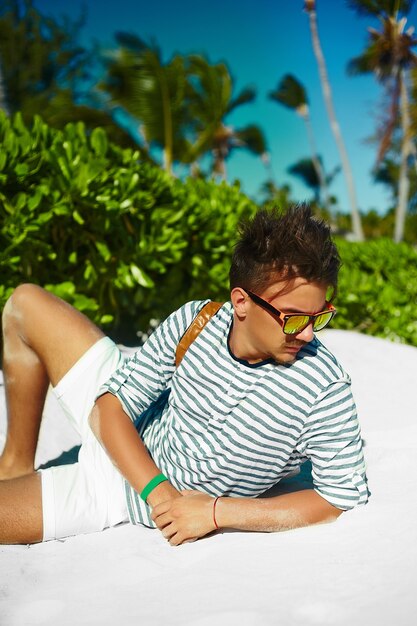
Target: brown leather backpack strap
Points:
(195, 329)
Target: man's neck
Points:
(239, 345)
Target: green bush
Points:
(116, 237)
(378, 289)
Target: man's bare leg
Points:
(43, 338)
(21, 510)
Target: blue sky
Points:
(261, 40)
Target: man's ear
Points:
(239, 299)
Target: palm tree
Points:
(44, 71)
(211, 101)
(305, 169)
(3, 100)
(310, 8)
(275, 196)
(389, 56)
(181, 105)
(152, 92)
(39, 56)
(292, 94)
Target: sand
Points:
(361, 569)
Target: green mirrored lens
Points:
(322, 320)
(295, 324)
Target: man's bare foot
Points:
(13, 470)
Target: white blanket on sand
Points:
(360, 570)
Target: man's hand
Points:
(163, 493)
(185, 518)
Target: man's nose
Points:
(307, 334)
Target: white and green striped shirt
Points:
(226, 427)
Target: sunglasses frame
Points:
(284, 317)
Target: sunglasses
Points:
(294, 323)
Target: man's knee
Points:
(27, 291)
(22, 298)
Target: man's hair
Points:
(281, 246)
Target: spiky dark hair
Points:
(284, 244)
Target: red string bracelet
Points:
(214, 511)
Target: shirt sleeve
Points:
(143, 377)
(332, 441)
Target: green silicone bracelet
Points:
(159, 478)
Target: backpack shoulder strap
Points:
(195, 329)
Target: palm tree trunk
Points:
(316, 162)
(3, 100)
(167, 117)
(406, 149)
(219, 164)
(327, 94)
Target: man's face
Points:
(262, 336)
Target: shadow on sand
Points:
(66, 458)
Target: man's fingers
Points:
(169, 531)
(175, 536)
(179, 540)
(176, 539)
(160, 509)
(162, 520)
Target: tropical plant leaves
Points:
(111, 234)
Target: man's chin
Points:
(286, 358)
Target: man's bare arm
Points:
(119, 438)
(292, 510)
(191, 517)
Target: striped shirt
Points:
(226, 427)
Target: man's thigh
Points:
(52, 328)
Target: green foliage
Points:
(44, 70)
(124, 241)
(380, 7)
(378, 290)
(180, 105)
(290, 93)
(118, 238)
(39, 56)
(306, 171)
(274, 196)
(150, 91)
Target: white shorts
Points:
(87, 496)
